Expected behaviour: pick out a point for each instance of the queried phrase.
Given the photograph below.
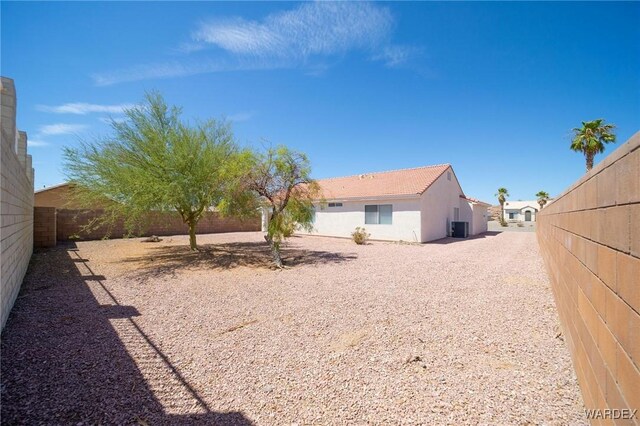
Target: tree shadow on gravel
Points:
(168, 260)
(65, 361)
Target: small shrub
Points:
(360, 236)
(520, 225)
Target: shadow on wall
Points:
(169, 260)
(68, 359)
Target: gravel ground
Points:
(494, 226)
(125, 332)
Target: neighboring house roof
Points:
(402, 182)
(519, 205)
(49, 188)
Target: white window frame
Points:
(377, 212)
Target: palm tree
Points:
(543, 197)
(591, 138)
(502, 195)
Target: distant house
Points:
(58, 196)
(521, 211)
(415, 205)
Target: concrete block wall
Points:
(16, 202)
(70, 222)
(590, 241)
(44, 227)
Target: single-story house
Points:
(415, 205)
(521, 211)
(58, 196)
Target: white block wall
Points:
(16, 203)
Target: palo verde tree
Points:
(591, 138)
(153, 162)
(279, 181)
(543, 197)
(502, 195)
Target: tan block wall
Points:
(590, 240)
(69, 224)
(16, 202)
(44, 227)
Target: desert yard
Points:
(126, 332)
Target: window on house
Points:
(512, 215)
(385, 212)
(378, 214)
(335, 204)
(456, 214)
(448, 175)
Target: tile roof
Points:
(392, 183)
(474, 200)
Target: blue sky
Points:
(492, 88)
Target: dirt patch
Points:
(348, 340)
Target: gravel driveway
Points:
(125, 332)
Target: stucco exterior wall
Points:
(16, 200)
(466, 213)
(480, 218)
(437, 205)
(342, 221)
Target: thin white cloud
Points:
(239, 117)
(149, 71)
(189, 47)
(62, 129)
(395, 55)
(36, 143)
(178, 69)
(82, 108)
(303, 37)
(322, 28)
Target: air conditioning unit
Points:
(460, 229)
